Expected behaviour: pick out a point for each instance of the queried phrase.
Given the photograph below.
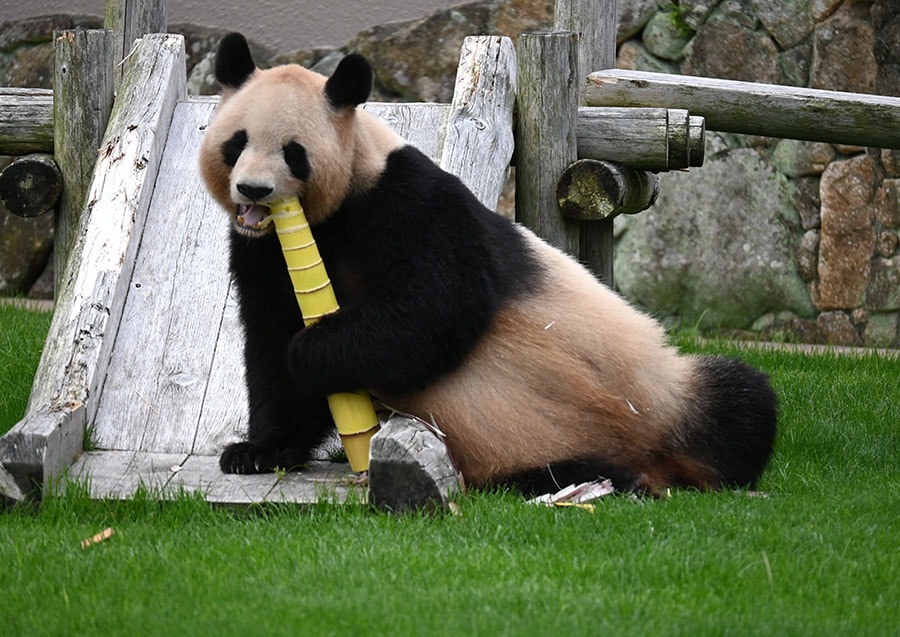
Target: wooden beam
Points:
(591, 190)
(39, 448)
(90, 303)
(479, 141)
(26, 121)
(656, 139)
(757, 109)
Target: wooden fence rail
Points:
(770, 110)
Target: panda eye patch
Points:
(232, 149)
(295, 158)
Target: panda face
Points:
(287, 131)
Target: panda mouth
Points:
(253, 219)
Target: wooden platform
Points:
(145, 348)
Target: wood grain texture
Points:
(546, 134)
(83, 99)
(26, 121)
(479, 140)
(91, 300)
(757, 109)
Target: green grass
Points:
(817, 556)
(22, 334)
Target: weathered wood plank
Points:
(320, 482)
(223, 419)
(26, 121)
(546, 134)
(202, 473)
(422, 125)
(83, 99)
(39, 448)
(159, 371)
(119, 474)
(92, 299)
(757, 109)
(479, 141)
(130, 20)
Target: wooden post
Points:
(546, 141)
(130, 20)
(83, 99)
(594, 21)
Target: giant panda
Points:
(537, 374)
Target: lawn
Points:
(22, 334)
(815, 554)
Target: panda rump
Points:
(538, 374)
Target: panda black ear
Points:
(350, 83)
(234, 64)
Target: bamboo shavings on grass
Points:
(576, 495)
(102, 536)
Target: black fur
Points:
(419, 268)
(296, 160)
(234, 63)
(351, 82)
(285, 425)
(232, 149)
(733, 425)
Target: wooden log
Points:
(410, 468)
(757, 109)
(26, 121)
(656, 139)
(594, 22)
(90, 304)
(591, 190)
(130, 20)
(546, 134)
(479, 141)
(39, 448)
(83, 99)
(30, 185)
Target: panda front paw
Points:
(247, 457)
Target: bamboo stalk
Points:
(353, 412)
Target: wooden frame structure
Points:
(144, 351)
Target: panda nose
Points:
(254, 193)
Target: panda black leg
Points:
(733, 431)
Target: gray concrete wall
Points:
(282, 25)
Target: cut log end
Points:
(31, 185)
(410, 468)
(592, 190)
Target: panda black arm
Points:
(283, 426)
(421, 269)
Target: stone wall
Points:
(789, 239)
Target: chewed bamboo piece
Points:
(353, 412)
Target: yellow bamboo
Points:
(353, 412)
